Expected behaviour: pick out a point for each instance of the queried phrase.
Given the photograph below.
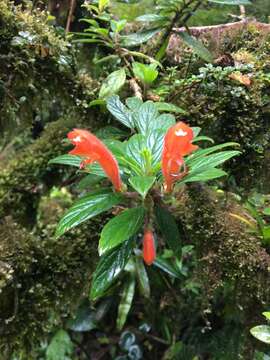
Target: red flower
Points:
(149, 250)
(92, 149)
(177, 144)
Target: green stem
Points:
(177, 20)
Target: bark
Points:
(216, 33)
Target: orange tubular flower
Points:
(149, 250)
(92, 149)
(177, 144)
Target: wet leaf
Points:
(142, 278)
(197, 46)
(138, 38)
(142, 184)
(145, 73)
(125, 302)
(166, 266)
(60, 347)
(86, 208)
(262, 333)
(112, 84)
(109, 268)
(120, 228)
(120, 111)
(169, 229)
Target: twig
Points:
(198, 30)
(136, 88)
(70, 14)
(242, 11)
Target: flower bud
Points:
(149, 249)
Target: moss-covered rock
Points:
(230, 100)
(225, 249)
(40, 80)
(41, 280)
(28, 175)
(227, 286)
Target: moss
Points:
(226, 108)
(231, 273)
(40, 80)
(28, 174)
(42, 280)
(227, 253)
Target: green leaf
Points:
(100, 31)
(166, 266)
(163, 106)
(125, 302)
(91, 41)
(138, 38)
(169, 229)
(162, 51)
(145, 57)
(73, 160)
(262, 333)
(164, 122)
(203, 152)
(142, 278)
(145, 73)
(266, 314)
(134, 103)
(119, 150)
(214, 160)
(155, 142)
(95, 169)
(105, 59)
(86, 208)
(208, 174)
(90, 21)
(152, 18)
(145, 117)
(155, 137)
(112, 84)
(266, 211)
(109, 268)
(97, 102)
(197, 47)
(148, 119)
(120, 228)
(88, 181)
(120, 111)
(142, 184)
(203, 138)
(231, 2)
(266, 234)
(118, 26)
(260, 356)
(85, 319)
(60, 346)
(110, 132)
(67, 159)
(134, 149)
(196, 131)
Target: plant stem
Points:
(70, 14)
(177, 19)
